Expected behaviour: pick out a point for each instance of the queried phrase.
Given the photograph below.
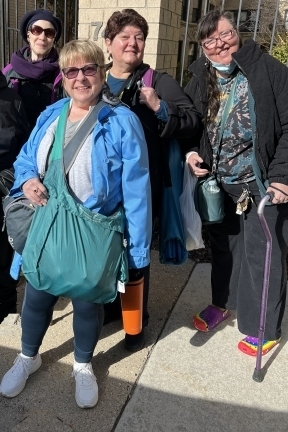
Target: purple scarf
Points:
(22, 65)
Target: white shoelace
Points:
(20, 367)
(84, 376)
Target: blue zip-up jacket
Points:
(120, 173)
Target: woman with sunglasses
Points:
(34, 70)
(248, 144)
(110, 172)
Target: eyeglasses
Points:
(37, 31)
(224, 37)
(88, 70)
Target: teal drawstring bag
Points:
(172, 241)
(70, 250)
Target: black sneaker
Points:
(134, 343)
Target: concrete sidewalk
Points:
(199, 382)
(185, 381)
(47, 402)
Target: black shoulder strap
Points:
(73, 147)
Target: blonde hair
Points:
(86, 50)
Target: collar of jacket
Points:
(136, 74)
(199, 70)
(53, 111)
(247, 56)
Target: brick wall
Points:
(163, 17)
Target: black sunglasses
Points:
(37, 31)
(88, 70)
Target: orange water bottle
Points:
(132, 305)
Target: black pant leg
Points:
(8, 293)
(252, 270)
(113, 311)
(146, 274)
(226, 251)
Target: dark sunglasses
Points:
(37, 31)
(88, 70)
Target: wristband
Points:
(189, 154)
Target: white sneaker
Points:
(86, 393)
(15, 379)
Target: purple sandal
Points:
(209, 318)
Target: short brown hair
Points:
(121, 19)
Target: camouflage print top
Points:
(234, 164)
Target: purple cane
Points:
(257, 375)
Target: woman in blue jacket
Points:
(110, 170)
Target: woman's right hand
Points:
(194, 162)
(35, 191)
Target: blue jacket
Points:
(120, 173)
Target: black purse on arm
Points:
(6, 181)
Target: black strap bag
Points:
(6, 181)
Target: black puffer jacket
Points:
(13, 125)
(268, 81)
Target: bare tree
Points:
(270, 12)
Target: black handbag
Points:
(6, 181)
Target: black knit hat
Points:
(39, 14)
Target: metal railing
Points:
(266, 21)
(11, 12)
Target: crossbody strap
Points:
(73, 147)
(224, 118)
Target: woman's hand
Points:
(194, 162)
(35, 191)
(149, 97)
(280, 192)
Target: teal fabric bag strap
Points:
(208, 196)
(71, 150)
(224, 118)
(261, 183)
(57, 147)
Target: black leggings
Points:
(37, 313)
(8, 293)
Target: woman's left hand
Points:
(280, 193)
(149, 97)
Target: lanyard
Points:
(224, 118)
